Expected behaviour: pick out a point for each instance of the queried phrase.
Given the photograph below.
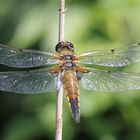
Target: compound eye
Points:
(59, 47)
(70, 46)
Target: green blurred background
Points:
(90, 25)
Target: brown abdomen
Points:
(71, 88)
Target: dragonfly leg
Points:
(82, 69)
(56, 69)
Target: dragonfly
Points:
(43, 72)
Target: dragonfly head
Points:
(67, 46)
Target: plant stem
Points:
(59, 104)
(59, 119)
(61, 21)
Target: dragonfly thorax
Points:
(68, 58)
(68, 62)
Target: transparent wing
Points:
(106, 81)
(32, 82)
(112, 58)
(24, 58)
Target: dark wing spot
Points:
(109, 71)
(20, 50)
(138, 43)
(113, 50)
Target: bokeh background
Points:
(90, 25)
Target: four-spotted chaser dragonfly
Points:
(51, 71)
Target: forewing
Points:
(112, 58)
(106, 81)
(31, 82)
(21, 58)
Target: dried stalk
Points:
(59, 104)
(61, 21)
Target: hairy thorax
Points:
(68, 63)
